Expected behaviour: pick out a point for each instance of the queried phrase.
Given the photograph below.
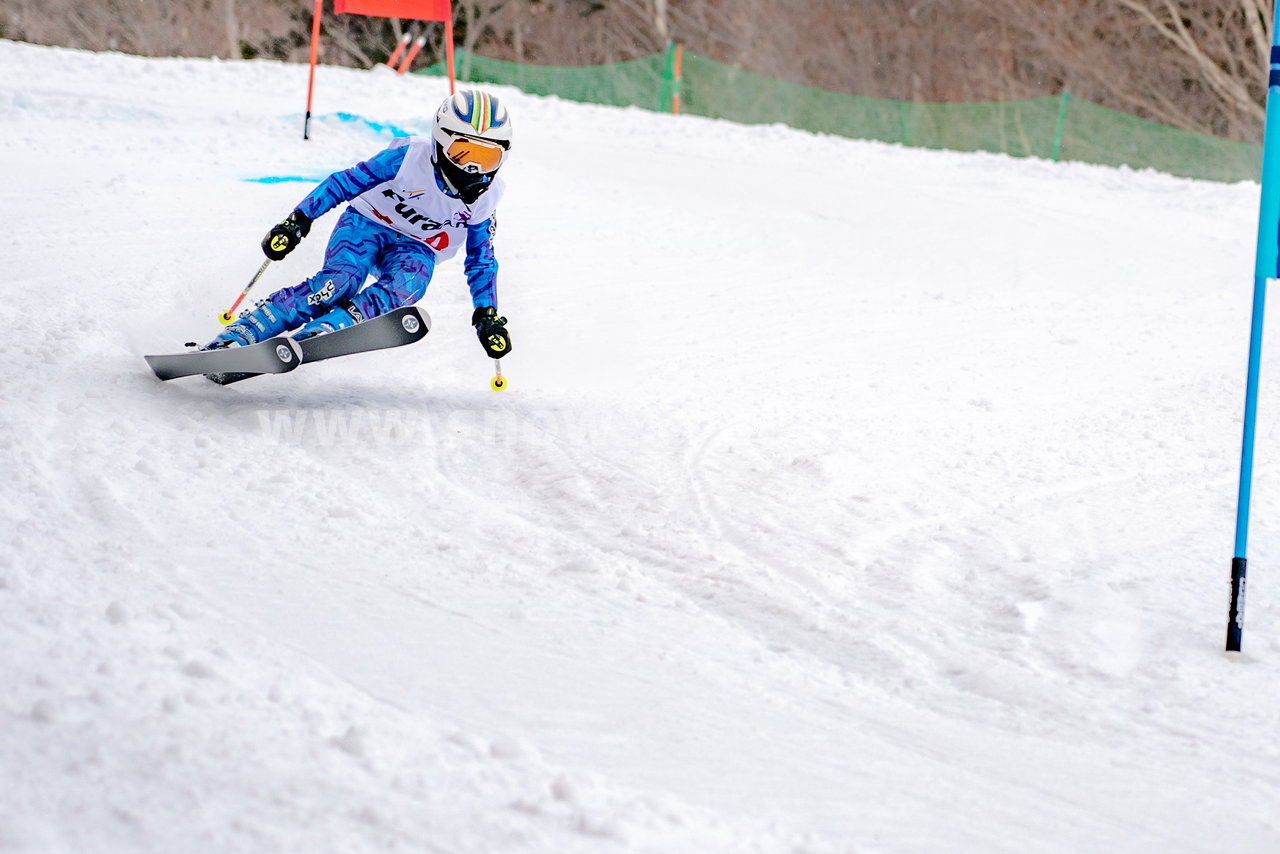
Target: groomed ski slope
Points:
(845, 498)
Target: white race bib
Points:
(412, 202)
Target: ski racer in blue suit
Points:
(411, 205)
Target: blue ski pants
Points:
(358, 248)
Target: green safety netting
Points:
(1095, 134)
(622, 84)
(1056, 128)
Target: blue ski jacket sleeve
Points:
(346, 185)
(481, 264)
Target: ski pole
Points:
(499, 382)
(230, 314)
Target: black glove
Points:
(283, 238)
(492, 331)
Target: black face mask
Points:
(466, 185)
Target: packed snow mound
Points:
(845, 498)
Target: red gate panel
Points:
(418, 10)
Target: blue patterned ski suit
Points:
(360, 247)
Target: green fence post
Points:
(668, 77)
(904, 123)
(1062, 124)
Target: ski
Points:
(393, 329)
(273, 356)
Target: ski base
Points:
(273, 356)
(394, 329)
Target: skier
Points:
(412, 204)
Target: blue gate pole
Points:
(1264, 269)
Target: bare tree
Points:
(233, 29)
(1194, 64)
(1216, 43)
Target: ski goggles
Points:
(476, 155)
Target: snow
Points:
(845, 497)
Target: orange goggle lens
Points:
(467, 152)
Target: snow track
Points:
(846, 498)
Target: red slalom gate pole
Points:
(448, 49)
(311, 80)
(675, 92)
(412, 54)
(400, 46)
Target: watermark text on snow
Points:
(486, 427)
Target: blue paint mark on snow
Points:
(285, 179)
(376, 127)
(379, 128)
